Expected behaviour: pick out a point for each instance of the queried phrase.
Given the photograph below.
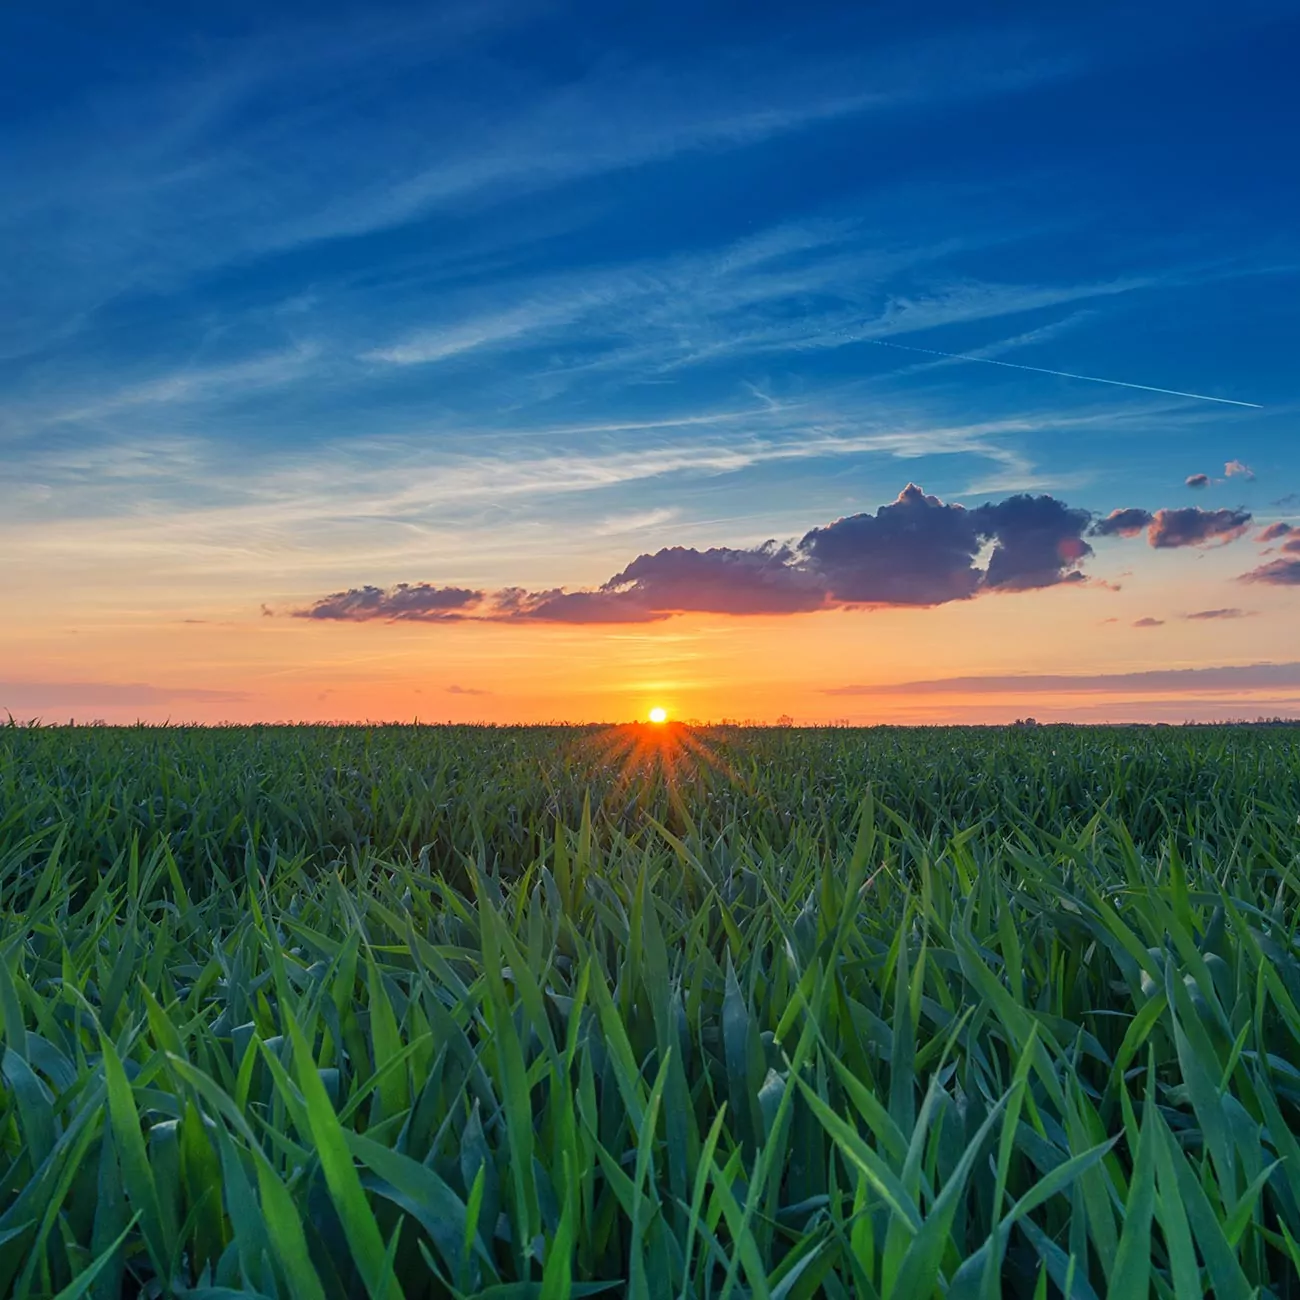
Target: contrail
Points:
(1061, 374)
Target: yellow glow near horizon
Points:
(658, 715)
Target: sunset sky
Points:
(524, 362)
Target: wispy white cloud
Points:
(794, 289)
(998, 347)
(255, 147)
(600, 128)
(627, 117)
(526, 323)
(635, 522)
(1067, 374)
(184, 512)
(194, 384)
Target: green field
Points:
(304, 1012)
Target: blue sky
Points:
(300, 300)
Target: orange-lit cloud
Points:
(1169, 529)
(1276, 573)
(916, 551)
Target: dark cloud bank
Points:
(917, 551)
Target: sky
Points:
(508, 361)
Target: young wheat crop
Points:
(301, 1012)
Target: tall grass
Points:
(407, 1012)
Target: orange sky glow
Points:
(125, 656)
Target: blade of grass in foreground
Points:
(136, 1173)
(362, 1232)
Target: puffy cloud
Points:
(1185, 526)
(465, 690)
(1038, 541)
(915, 551)
(1292, 546)
(920, 551)
(766, 580)
(1205, 614)
(1192, 526)
(1238, 469)
(1123, 523)
(1276, 573)
(1198, 480)
(560, 606)
(418, 602)
(1149, 622)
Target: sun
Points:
(658, 714)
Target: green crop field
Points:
(311, 1012)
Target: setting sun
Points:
(658, 715)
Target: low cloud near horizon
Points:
(917, 552)
(52, 695)
(1244, 677)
